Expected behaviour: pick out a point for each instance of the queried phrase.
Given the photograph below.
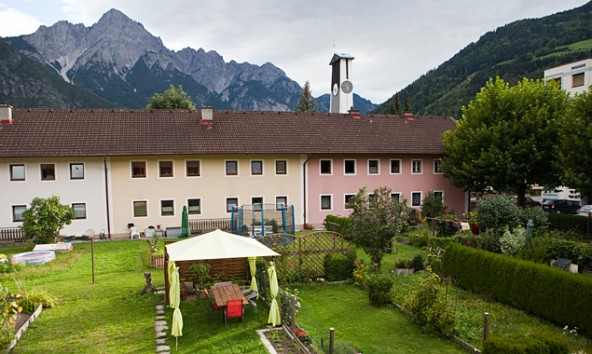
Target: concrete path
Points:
(161, 327)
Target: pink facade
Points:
(407, 175)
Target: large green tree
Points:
(173, 98)
(575, 157)
(374, 222)
(507, 138)
(307, 103)
(45, 217)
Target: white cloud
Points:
(14, 23)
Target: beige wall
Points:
(212, 187)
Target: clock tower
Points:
(342, 97)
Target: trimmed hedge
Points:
(336, 223)
(339, 266)
(558, 296)
(525, 344)
(569, 222)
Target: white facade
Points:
(342, 97)
(574, 77)
(85, 189)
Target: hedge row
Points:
(558, 296)
(543, 249)
(518, 343)
(336, 223)
(569, 222)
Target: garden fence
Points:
(157, 261)
(12, 234)
(207, 225)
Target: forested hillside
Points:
(523, 48)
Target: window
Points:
(415, 198)
(167, 207)
(281, 202)
(76, 171)
(395, 166)
(578, 80)
(348, 201)
(194, 206)
(140, 208)
(17, 212)
(439, 194)
(231, 203)
(416, 166)
(326, 167)
(192, 168)
(232, 168)
(257, 168)
(325, 202)
(48, 172)
(79, 210)
(373, 167)
(349, 167)
(437, 166)
(138, 169)
(165, 168)
(396, 197)
(17, 172)
(257, 203)
(281, 167)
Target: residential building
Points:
(574, 77)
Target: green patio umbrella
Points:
(274, 310)
(175, 301)
(253, 267)
(185, 228)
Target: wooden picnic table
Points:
(223, 293)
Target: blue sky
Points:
(394, 41)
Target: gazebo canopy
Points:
(217, 245)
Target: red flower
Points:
(289, 266)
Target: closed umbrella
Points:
(253, 267)
(175, 300)
(274, 310)
(529, 227)
(185, 228)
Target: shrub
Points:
(430, 306)
(525, 285)
(539, 218)
(489, 241)
(403, 263)
(448, 225)
(417, 263)
(568, 222)
(336, 223)
(518, 343)
(432, 205)
(338, 266)
(543, 249)
(498, 212)
(31, 300)
(379, 288)
(512, 242)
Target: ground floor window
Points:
(194, 206)
(167, 208)
(325, 202)
(17, 212)
(416, 199)
(230, 204)
(79, 210)
(140, 208)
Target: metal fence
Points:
(262, 219)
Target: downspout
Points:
(304, 185)
(107, 197)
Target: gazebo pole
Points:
(166, 276)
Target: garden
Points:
(425, 292)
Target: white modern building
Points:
(574, 77)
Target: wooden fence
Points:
(157, 261)
(207, 225)
(12, 235)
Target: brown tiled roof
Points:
(43, 132)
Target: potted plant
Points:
(201, 274)
(149, 232)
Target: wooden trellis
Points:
(302, 257)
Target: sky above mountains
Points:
(394, 42)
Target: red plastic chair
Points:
(234, 309)
(213, 304)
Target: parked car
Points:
(528, 202)
(585, 210)
(564, 206)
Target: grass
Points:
(108, 316)
(359, 325)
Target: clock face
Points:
(335, 90)
(347, 86)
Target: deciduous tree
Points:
(507, 138)
(374, 222)
(173, 98)
(45, 217)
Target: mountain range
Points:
(118, 63)
(524, 48)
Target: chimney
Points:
(5, 114)
(207, 115)
(354, 113)
(408, 116)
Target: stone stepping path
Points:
(160, 328)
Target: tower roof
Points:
(338, 56)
